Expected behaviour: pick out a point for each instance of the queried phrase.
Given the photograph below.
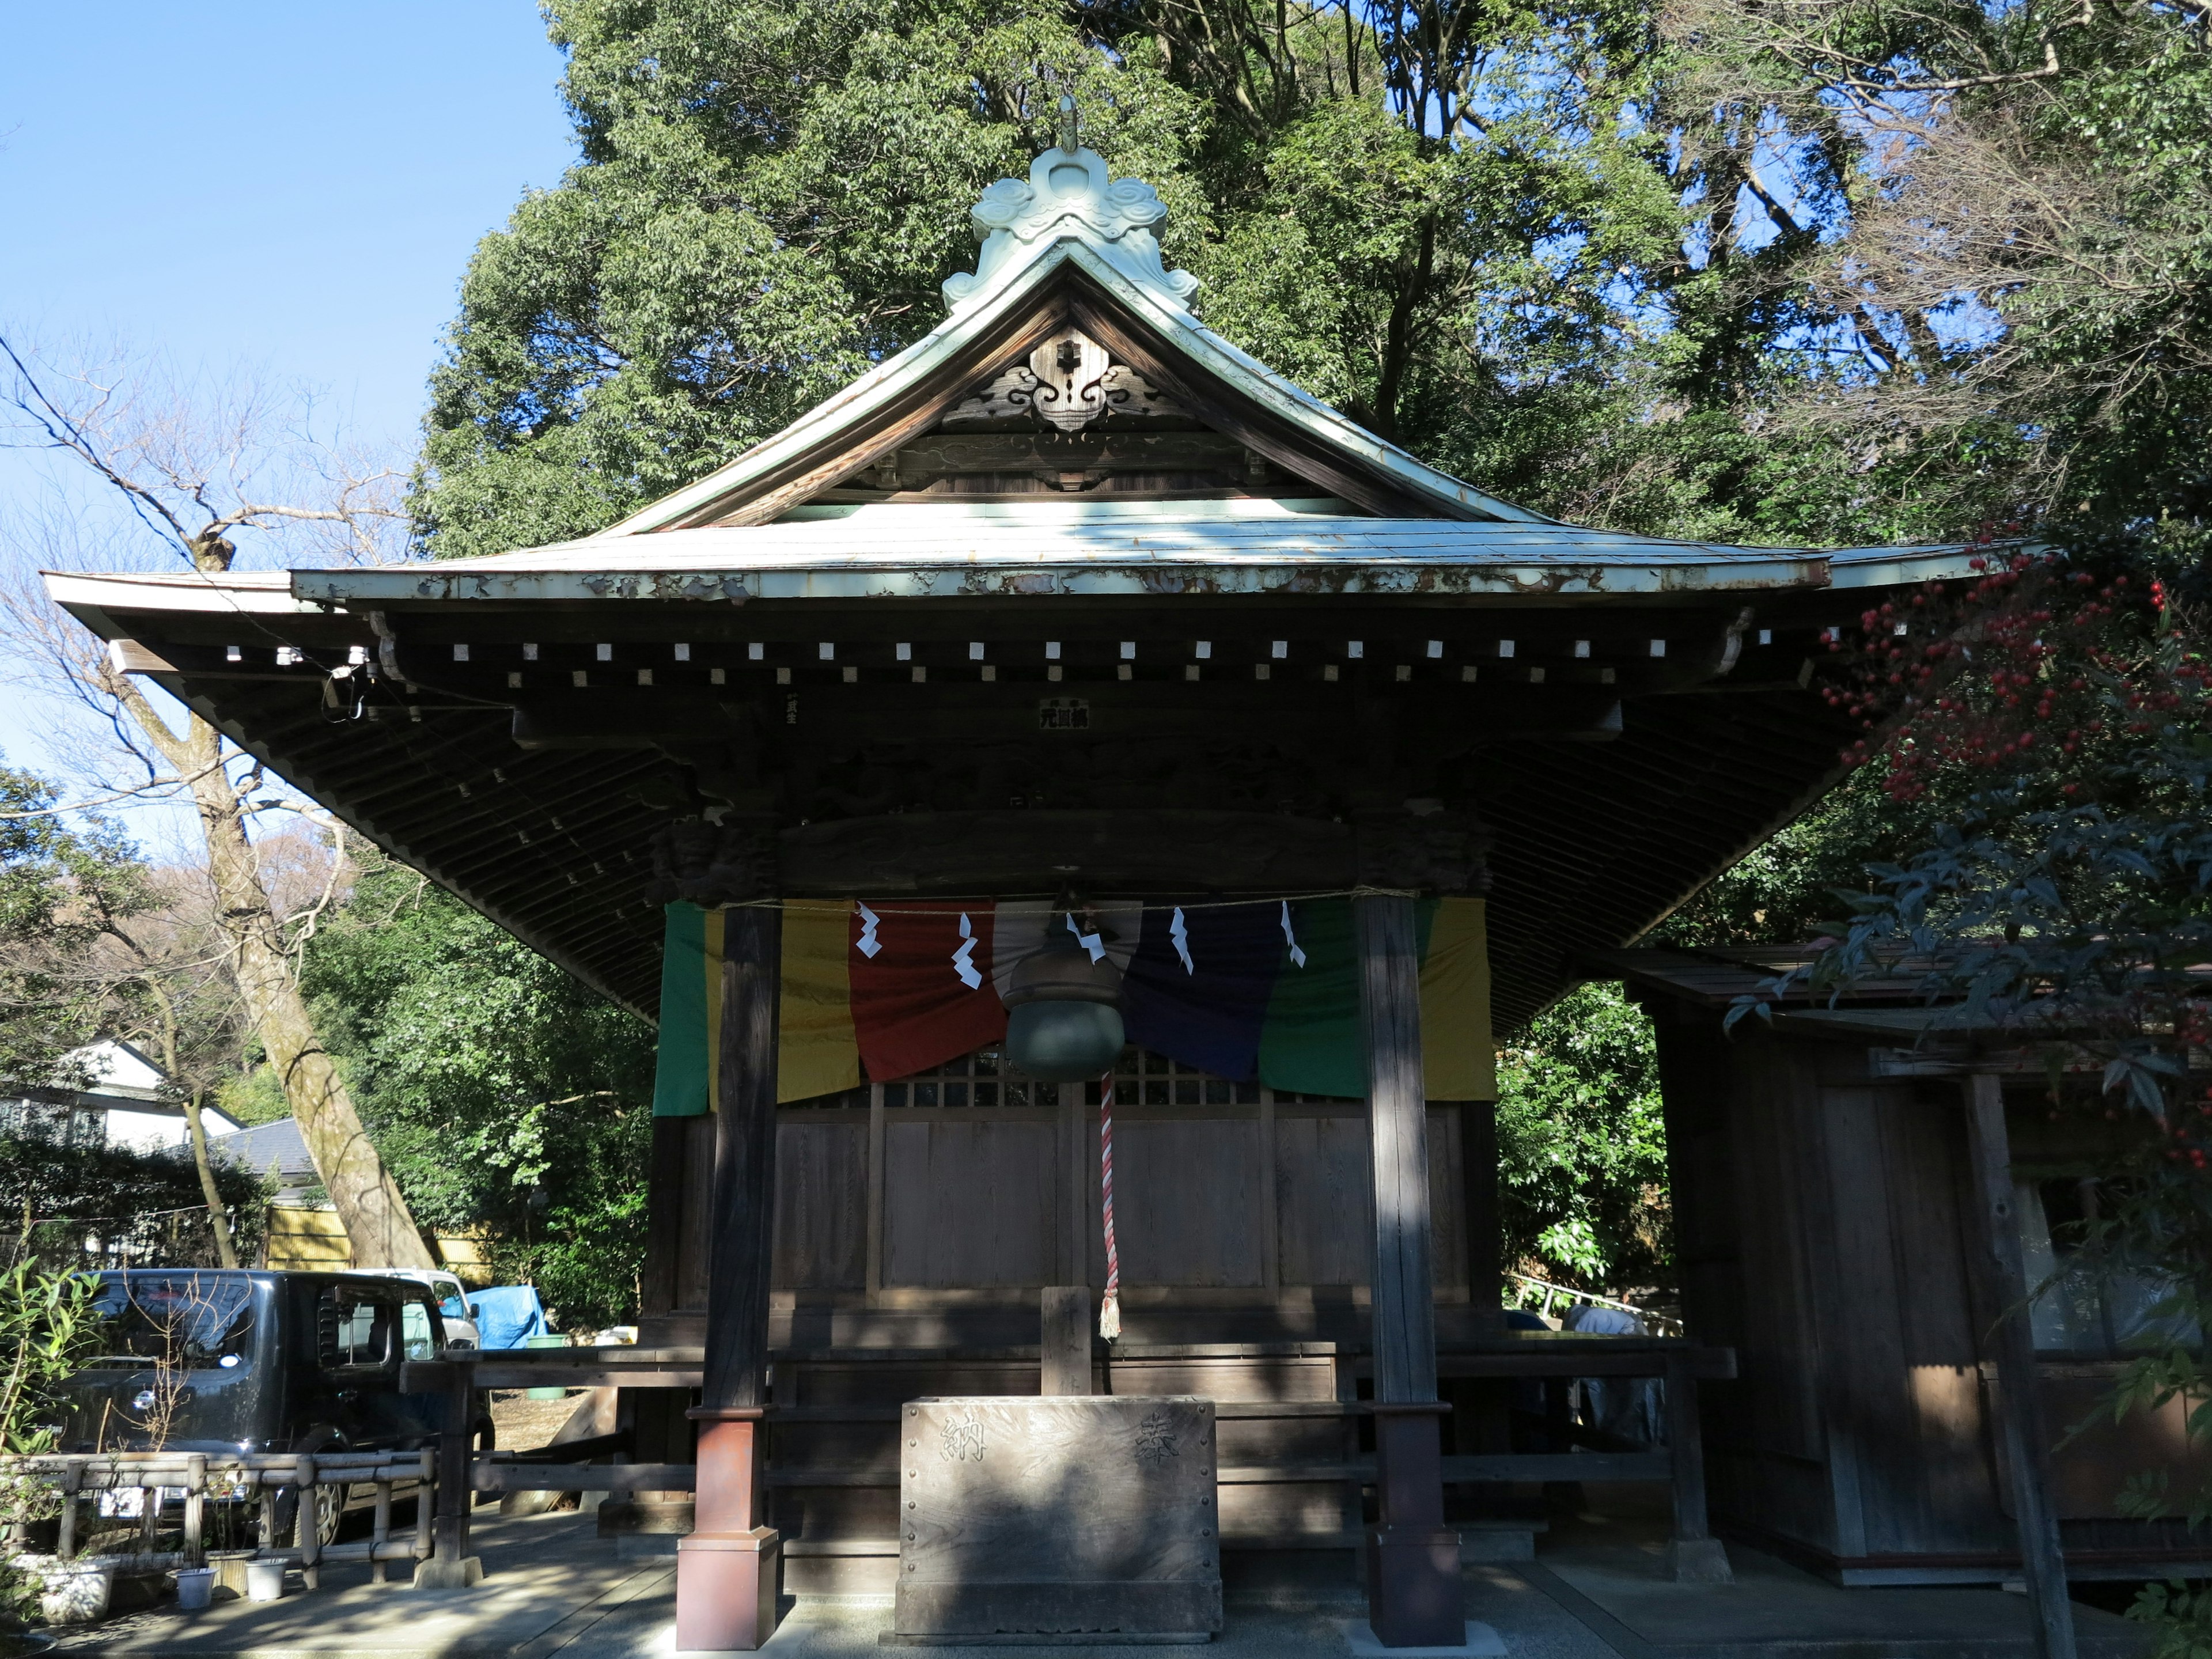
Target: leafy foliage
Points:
(46, 1328)
(1582, 1147)
(146, 1207)
(2184, 1610)
(46, 1331)
(2010, 281)
(507, 1098)
(58, 889)
(1504, 238)
(768, 198)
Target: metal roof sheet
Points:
(918, 550)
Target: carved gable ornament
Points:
(1069, 382)
(1067, 194)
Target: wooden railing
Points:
(198, 1476)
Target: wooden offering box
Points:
(1022, 1518)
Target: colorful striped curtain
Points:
(874, 990)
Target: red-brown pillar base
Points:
(728, 1570)
(725, 1590)
(1413, 1595)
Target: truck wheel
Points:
(329, 1513)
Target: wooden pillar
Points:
(1413, 1595)
(450, 1566)
(1695, 1556)
(2020, 1401)
(727, 1569)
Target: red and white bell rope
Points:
(1109, 1305)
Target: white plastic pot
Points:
(265, 1581)
(195, 1588)
(75, 1592)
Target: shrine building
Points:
(1074, 744)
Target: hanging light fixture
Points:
(1064, 1007)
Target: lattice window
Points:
(985, 1078)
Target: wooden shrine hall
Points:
(1069, 742)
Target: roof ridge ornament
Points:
(1068, 195)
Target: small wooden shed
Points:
(1830, 1227)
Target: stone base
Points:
(1413, 1585)
(1180, 1638)
(1698, 1561)
(646, 1546)
(448, 1574)
(725, 1590)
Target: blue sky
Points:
(294, 188)
(297, 186)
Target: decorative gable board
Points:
(1130, 377)
(1070, 308)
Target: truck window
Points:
(194, 1321)
(353, 1328)
(418, 1333)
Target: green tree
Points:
(768, 198)
(1500, 235)
(1582, 1147)
(60, 889)
(147, 1209)
(2018, 239)
(508, 1100)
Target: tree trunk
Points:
(369, 1206)
(375, 1217)
(195, 1129)
(218, 1217)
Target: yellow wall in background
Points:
(305, 1240)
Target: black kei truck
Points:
(217, 1360)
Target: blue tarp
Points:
(508, 1315)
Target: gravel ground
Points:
(525, 1423)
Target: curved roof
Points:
(1629, 714)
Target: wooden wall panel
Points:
(1187, 1201)
(698, 1198)
(1871, 1418)
(969, 1202)
(1447, 1204)
(664, 1219)
(1323, 1205)
(820, 1202)
(1927, 1158)
(1781, 1353)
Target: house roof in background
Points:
(279, 1143)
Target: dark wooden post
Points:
(450, 1566)
(1414, 1597)
(2019, 1401)
(726, 1570)
(1695, 1556)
